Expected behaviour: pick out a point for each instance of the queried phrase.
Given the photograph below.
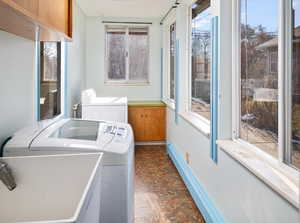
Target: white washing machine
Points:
(115, 140)
(103, 108)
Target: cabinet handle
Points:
(142, 116)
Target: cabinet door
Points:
(136, 118)
(56, 13)
(155, 124)
(29, 5)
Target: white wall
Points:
(95, 56)
(76, 69)
(17, 83)
(238, 194)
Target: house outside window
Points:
(127, 54)
(273, 61)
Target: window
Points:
(50, 80)
(201, 58)
(127, 54)
(274, 62)
(172, 60)
(294, 154)
(259, 77)
(269, 96)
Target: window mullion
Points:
(286, 81)
(281, 82)
(236, 94)
(127, 54)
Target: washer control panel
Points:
(115, 130)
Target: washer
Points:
(65, 136)
(103, 108)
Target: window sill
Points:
(116, 83)
(170, 103)
(196, 122)
(281, 178)
(202, 126)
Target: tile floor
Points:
(160, 194)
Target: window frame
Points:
(188, 106)
(284, 83)
(39, 79)
(126, 80)
(166, 60)
(169, 62)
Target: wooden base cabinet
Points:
(44, 20)
(148, 123)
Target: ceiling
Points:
(126, 8)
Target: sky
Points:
(260, 12)
(203, 20)
(265, 13)
(296, 6)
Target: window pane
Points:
(116, 53)
(259, 77)
(50, 81)
(201, 58)
(138, 54)
(172, 60)
(296, 85)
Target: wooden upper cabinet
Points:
(57, 14)
(52, 18)
(31, 6)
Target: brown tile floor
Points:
(160, 194)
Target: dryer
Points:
(103, 108)
(66, 136)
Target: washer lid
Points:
(26, 135)
(73, 135)
(106, 101)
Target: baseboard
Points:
(201, 198)
(150, 143)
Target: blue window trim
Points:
(66, 104)
(204, 202)
(38, 76)
(214, 90)
(161, 72)
(177, 86)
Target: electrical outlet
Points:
(187, 157)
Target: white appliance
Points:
(65, 136)
(103, 108)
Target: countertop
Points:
(147, 103)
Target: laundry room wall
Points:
(18, 76)
(238, 194)
(95, 56)
(76, 75)
(17, 83)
